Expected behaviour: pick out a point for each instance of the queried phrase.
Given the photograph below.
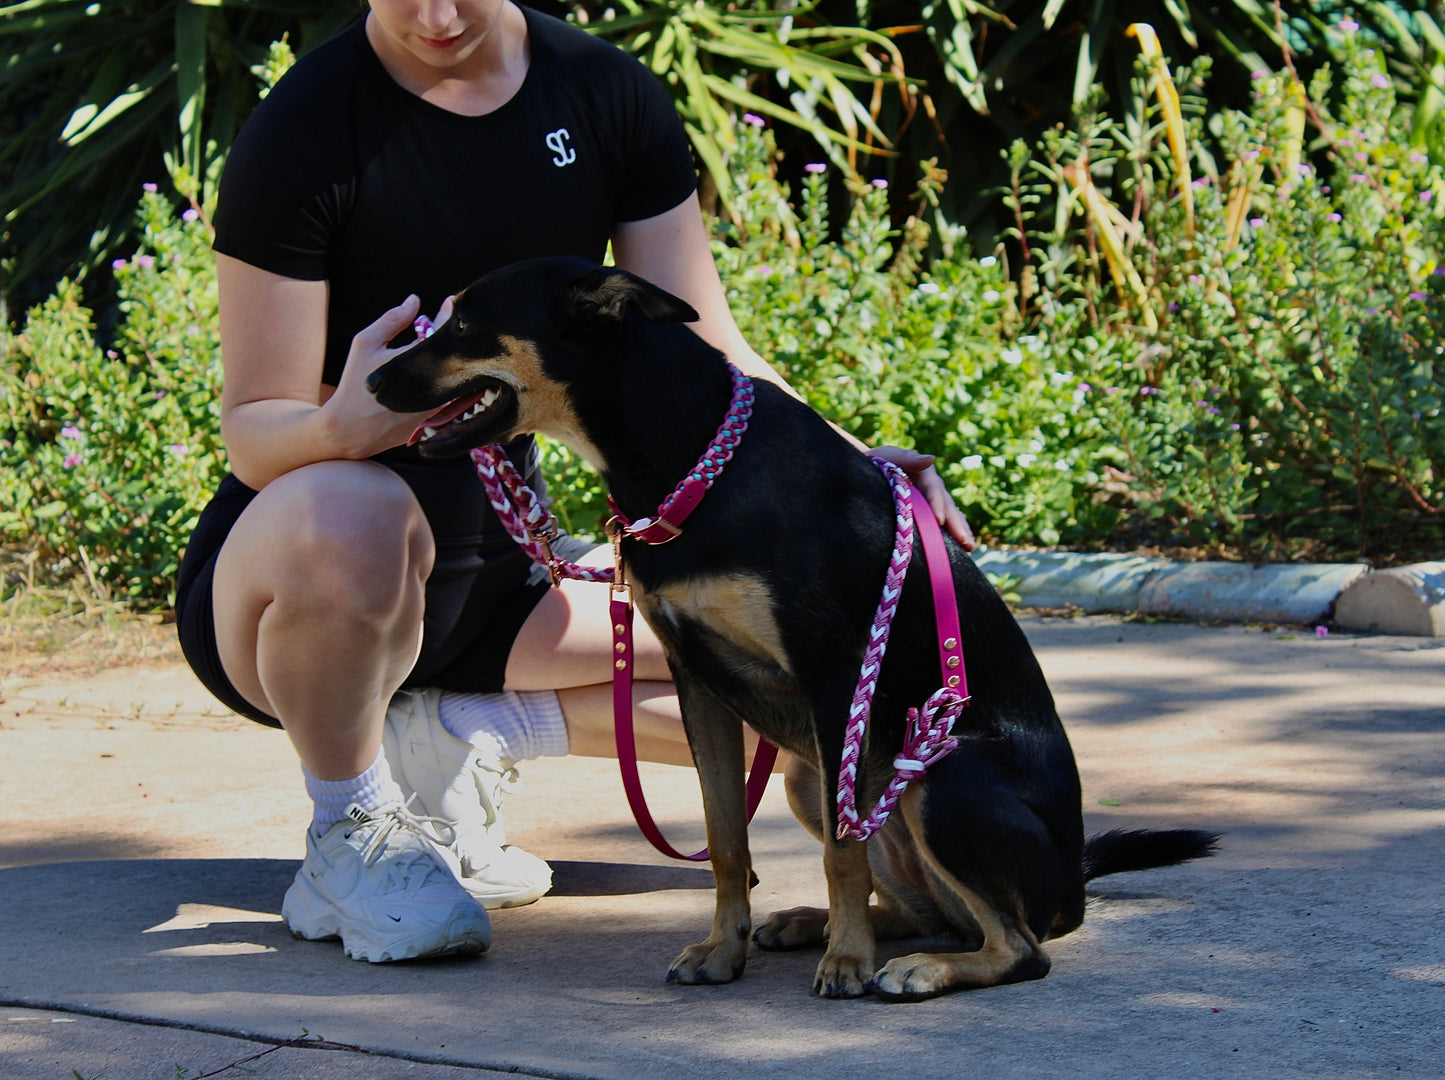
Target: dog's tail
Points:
(1119, 851)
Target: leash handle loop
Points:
(763, 759)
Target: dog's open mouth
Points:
(465, 421)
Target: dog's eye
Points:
(459, 324)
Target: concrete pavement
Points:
(146, 839)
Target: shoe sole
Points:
(312, 917)
(493, 901)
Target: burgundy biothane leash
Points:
(928, 737)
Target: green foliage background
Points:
(1265, 385)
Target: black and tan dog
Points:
(763, 606)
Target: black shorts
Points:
(480, 592)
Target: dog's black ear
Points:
(606, 295)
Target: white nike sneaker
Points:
(381, 883)
(462, 786)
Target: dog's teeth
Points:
(489, 397)
(427, 433)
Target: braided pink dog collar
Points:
(929, 733)
(685, 497)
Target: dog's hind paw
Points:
(795, 928)
(912, 978)
(841, 977)
(709, 963)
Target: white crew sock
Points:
(372, 790)
(515, 726)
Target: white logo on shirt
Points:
(557, 143)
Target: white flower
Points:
(992, 296)
(1013, 356)
(988, 260)
(929, 287)
(973, 461)
(1025, 460)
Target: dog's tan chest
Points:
(737, 607)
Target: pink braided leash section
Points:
(928, 736)
(528, 522)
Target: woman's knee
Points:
(348, 534)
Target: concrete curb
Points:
(1406, 600)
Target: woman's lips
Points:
(441, 43)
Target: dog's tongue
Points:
(443, 416)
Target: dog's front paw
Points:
(795, 928)
(710, 962)
(841, 976)
(913, 978)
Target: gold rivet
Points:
(953, 661)
(622, 665)
(621, 646)
(950, 643)
(619, 628)
(953, 681)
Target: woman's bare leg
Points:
(318, 595)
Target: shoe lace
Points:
(385, 822)
(493, 781)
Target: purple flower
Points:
(1085, 387)
(1347, 25)
(1380, 81)
(1147, 390)
(71, 461)
(815, 167)
(1358, 178)
(70, 431)
(117, 264)
(880, 184)
(1419, 296)
(1256, 223)
(1419, 159)
(1322, 631)
(754, 119)
(1250, 155)
(1426, 196)
(178, 449)
(148, 187)
(1333, 217)
(1213, 411)
(145, 262)
(190, 213)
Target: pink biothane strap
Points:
(945, 600)
(763, 759)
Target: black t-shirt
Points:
(341, 175)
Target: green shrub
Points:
(1275, 372)
(1255, 370)
(107, 455)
